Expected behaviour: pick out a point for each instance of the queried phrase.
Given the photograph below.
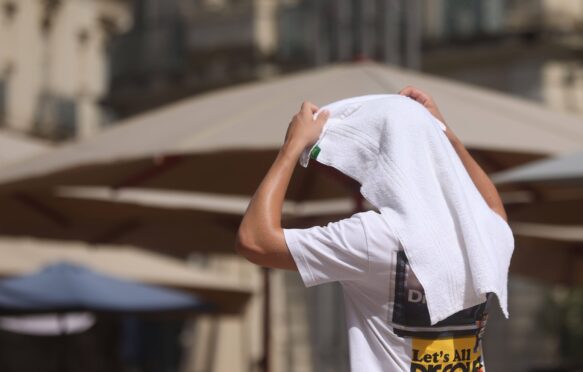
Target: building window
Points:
(9, 8)
(56, 117)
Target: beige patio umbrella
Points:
(22, 256)
(223, 142)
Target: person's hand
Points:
(423, 98)
(427, 101)
(303, 130)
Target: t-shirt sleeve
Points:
(335, 252)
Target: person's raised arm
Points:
(479, 177)
(260, 237)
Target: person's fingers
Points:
(411, 91)
(422, 98)
(416, 94)
(322, 118)
(309, 107)
(406, 91)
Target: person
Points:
(386, 312)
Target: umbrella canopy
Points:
(565, 169)
(224, 141)
(67, 287)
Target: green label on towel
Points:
(315, 152)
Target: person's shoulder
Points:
(360, 221)
(370, 216)
(375, 223)
(368, 219)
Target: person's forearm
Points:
(478, 176)
(264, 210)
(260, 238)
(261, 225)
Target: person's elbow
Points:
(497, 206)
(264, 245)
(246, 244)
(499, 209)
(253, 244)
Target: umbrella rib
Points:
(115, 232)
(42, 209)
(160, 165)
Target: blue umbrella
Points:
(68, 287)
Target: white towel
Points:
(457, 246)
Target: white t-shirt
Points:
(386, 314)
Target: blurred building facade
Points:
(54, 65)
(69, 67)
(527, 48)
(177, 48)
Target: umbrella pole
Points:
(266, 361)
